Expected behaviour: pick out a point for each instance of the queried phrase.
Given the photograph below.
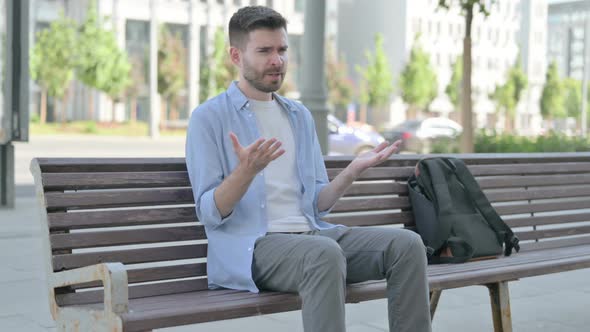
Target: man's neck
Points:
(252, 93)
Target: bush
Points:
(553, 142)
(90, 128)
(35, 118)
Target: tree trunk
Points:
(90, 104)
(363, 114)
(133, 111)
(162, 112)
(113, 111)
(64, 110)
(466, 102)
(43, 111)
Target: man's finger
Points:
(235, 142)
(266, 145)
(278, 154)
(273, 149)
(381, 147)
(256, 145)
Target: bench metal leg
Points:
(500, 300)
(434, 297)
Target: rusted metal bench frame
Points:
(54, 179)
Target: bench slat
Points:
(118, 198)
(552, 233)
(535, 180)
(84, 165)
(555, 243)
(135, 291)
(537, 193)
(157, 273)
(126, 237)
(116, 218)
(547, 220)
(363, 204)
(542, 207)
(112, 180)
(129, 256)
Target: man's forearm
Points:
(231, 190)
(336, 188)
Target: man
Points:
(261, 189)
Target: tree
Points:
(101, 64)
(468, 7)
(503, 96)
(217, 71)
(552, 97)
(172, 68)
(52, 61)
(376, 83)
(453, 89)
(223, 70)
(340, 86)
(508, 96)
(138, 80)
(418, 82)
(572, 97)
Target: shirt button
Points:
(261, 173)
(262, 205)
(250, 249)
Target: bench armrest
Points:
(113, 277)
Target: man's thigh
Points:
(369, 249)
(280, 259)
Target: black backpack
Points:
(451, 211)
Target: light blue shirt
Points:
(210, 158)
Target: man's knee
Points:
(326, 255)
(410, 246)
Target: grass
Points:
(137, 129)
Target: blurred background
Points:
(442, 75)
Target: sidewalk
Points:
(557, 302)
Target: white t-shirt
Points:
(283, 188)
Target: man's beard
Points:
(257, 79)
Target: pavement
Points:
(557, 302)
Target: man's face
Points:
(264, 59)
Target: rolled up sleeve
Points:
(204, 168)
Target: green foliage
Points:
(204, 77)
(91, 128)
(223, 70)
(552, 98)
(482, 6)
(52, 58)
(340, 86)
(572, 97)
(453, 89)
(101, 64)
(503, 96)
(553, 142)
(172, 64)
(376, 86)
(34, 118)
(418, 82)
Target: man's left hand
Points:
(374, 157)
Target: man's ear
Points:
(235, 55)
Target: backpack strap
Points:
(504, 232)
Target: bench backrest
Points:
(141, 211)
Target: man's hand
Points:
(256, 156)
(374, 157)
(335, 189)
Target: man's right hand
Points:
(256, 156)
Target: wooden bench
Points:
(125, 252)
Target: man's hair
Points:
(252, 18)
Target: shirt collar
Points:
(240, 101)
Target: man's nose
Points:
(276, 59)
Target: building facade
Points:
(194, 21)
(514, 27)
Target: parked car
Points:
(419, 135)
(346, 140)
